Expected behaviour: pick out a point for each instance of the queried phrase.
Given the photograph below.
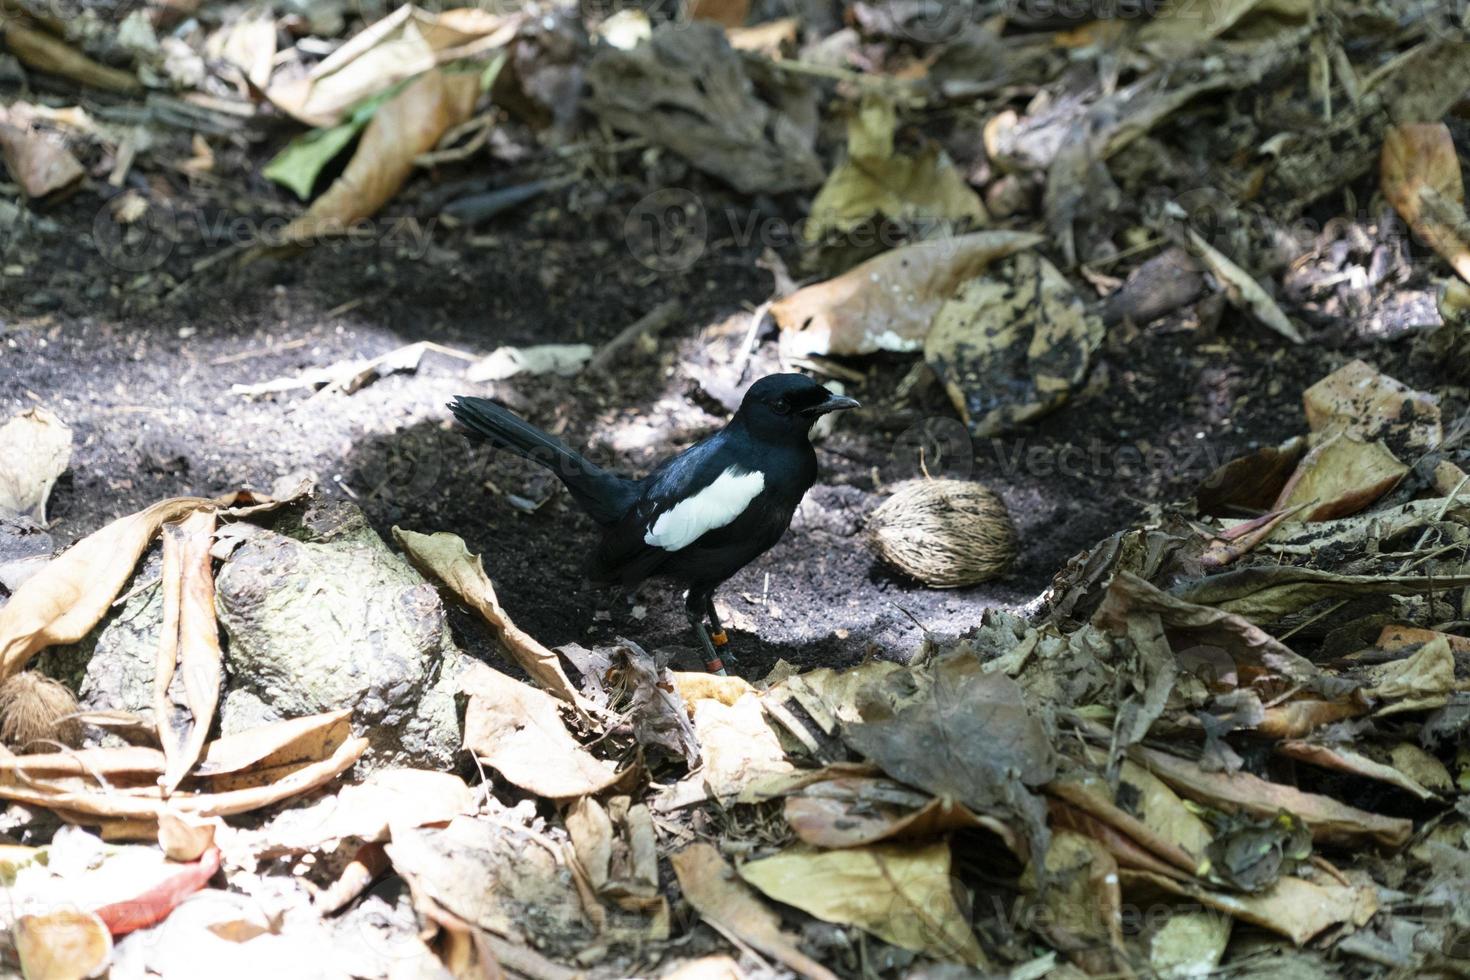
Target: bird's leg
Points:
(695, 608)
(719, 636)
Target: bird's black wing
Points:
(702, 489)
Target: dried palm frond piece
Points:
(945, 533)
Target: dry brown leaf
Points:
(445, 557)
(901, 893)
(1159, 823)
(109, 763)
(1180, 27)
(738, 747)
(1330, 821)
(726, 13)
(183, 836)
(889, 302)
(515, 728)
(43, 52)
(1423, 680)
(259, 755)
(64, 600)
(35, 449)
(189, 645)
(1362, 401)
(406, 125)
(1411, 638)
(1348, 761)
(854, 811)
(1243, 291)
(1420, 174)
(1079, 907)
(39, 162)
(65, 945)
(1340, 477)
(731, 907)
(408, 42)
(1292, 907)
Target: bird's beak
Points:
(836, 403)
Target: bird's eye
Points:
(781, 406)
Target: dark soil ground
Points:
(142, 369)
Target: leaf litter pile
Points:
(1234, 737)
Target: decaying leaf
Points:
(1361, 401)
(153, 905)
(1340, 476)
(515, 728)
(39, 162)
(854, 811)
(1013, 344)
(35, 449)
(1081, 905)
(1293, 907)
(738, 747)
(660, 716)
(1330, 821)
(902, 893)
(874, 181)
(189, 648)
(1346, 760)
(64, 600)
(959, 732)
(888, 302)
(408, 42)
(259, 755)
(406, 125)
(686, 89)
(1253, 481)
(730, 906)
(1250, 854)
(62, 945)
(1243, 291)
(445, 557)
(1181, 27)
(1423, 680)
(1420, 175)
(45, 53)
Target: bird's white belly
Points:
(713, 507)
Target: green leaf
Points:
(297, 166)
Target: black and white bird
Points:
(702, 515)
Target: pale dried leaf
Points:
(35, 449)
(1420, 174)
(889, 302)
(515, 729)
(731, 906)
(68, 944)
(901, 893)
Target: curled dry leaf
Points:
(408, 42)
(406, 125)
(515, 729)
(1420, 174)
(189, 646)
(854, 811)
(1012, 345)
(731, 907)
(259, 755)
(66, 945)
(64, 600)
(1243, 291)
(901, 893)
(185, 837)
(1355, 763)
(1293, 907)
(35, 449)
(1330, 821)
(888, 302)
(738, 747)
(1181, 27)
(445, 557)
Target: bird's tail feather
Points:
(604, 496)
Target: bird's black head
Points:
(787, 405)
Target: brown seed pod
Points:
(37, 712)
(945, 533)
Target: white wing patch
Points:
(715, 506)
